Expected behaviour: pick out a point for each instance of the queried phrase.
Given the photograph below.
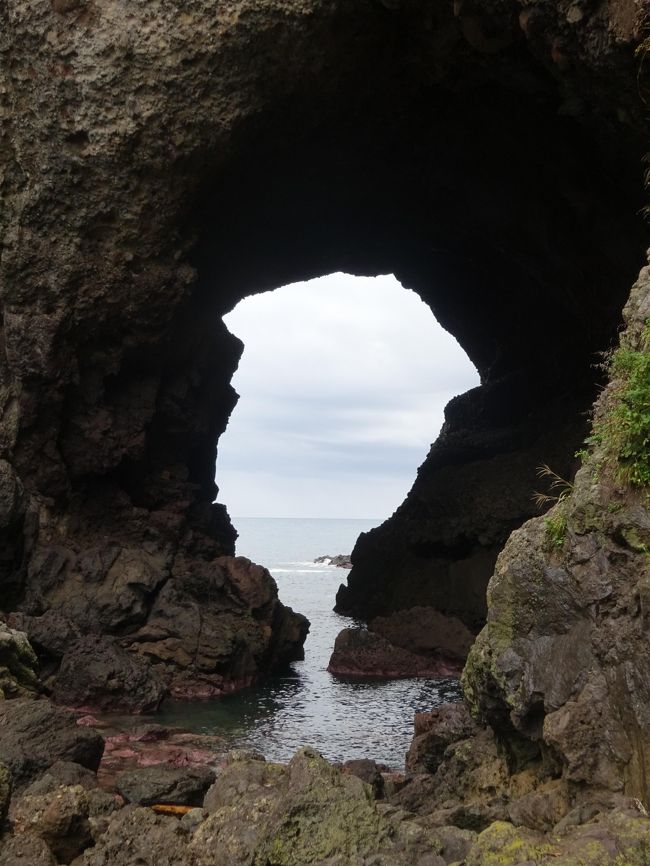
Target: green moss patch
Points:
(624, 430)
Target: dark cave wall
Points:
(159, 166)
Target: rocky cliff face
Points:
(159, 164)
(561, 661)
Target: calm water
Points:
(309, 706)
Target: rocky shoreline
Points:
(74, 789)
(160, 797)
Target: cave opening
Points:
(343, 383)
(510, 213)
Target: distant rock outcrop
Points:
(341, 560)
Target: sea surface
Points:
(309, 706)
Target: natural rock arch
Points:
(161, 164)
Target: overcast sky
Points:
(342, 387)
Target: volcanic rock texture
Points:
(161, 161)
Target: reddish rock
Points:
(127, 751)
(425, 631)
(361, 653)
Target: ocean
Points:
(309, 706)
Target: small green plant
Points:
(559, 487)
(556, 527)
(624, 429)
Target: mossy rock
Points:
(304, 814)
(501, 844)
(18, 664)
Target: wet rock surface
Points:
(155, 746)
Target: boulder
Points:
(434, 732)
(34, 735)
(362, 653)
(425, 631)
(543, 808)
(97, 673)
(25, 850)
(368, 772)
(218, 626)
(59, 818)
(65, 773)
(307, 812)
(186, 786)
(137, 835)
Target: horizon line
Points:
(283, 517)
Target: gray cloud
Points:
(343, 383)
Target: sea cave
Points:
(159, 163)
